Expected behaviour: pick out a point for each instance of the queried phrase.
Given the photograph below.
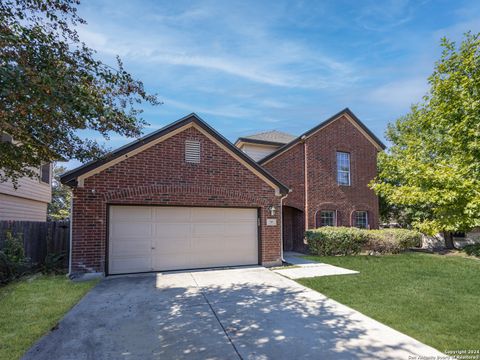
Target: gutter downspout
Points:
(70, 240)
(305, 177)
(281, 226)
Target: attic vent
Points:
(192, 151)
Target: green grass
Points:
(30, 307)
(433, 298)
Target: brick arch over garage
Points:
(171, 192)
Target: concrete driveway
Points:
(243, 313)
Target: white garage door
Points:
(154, 238)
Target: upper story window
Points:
(343, 168)
(45, 173)
(361, 219)
(327, 218)
(192, 151)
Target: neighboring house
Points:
(28, 202)
(328, 169)
(184, 197)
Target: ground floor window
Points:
(327, 218)
(361, 219)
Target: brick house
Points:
(184, 197)
(328, 169)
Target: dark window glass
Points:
(361, 219)
(343, 168)
(45, 173)
(327, 218)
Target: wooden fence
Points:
(39, 238)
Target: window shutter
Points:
(192, 151)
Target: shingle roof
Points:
(272, 136)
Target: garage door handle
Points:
(153, 248)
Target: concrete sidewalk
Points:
(303, 268)
(243, 313)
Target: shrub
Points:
(335, 240)
(350, 241)
(13, 248)
(13, 262)
(53, 264)
(6, 269)
(472, 249)
(392, 241)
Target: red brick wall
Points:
(323, 191)
(160, 176)
(288, 168)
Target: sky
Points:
(251, 66)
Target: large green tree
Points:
(52, 86)
(433, 165)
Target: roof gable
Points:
(76, 176)
(345, 112)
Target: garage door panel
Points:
(136, 213)
(171, 238)
(171, 246)
(241, 230)
(172, 231)
(252, 259)
(241, 215)
(130, 264)
(171, 261)
(172, 215)
(200, 215)
(206, 246)
(128, 247)
(131, 229)
(208, 230)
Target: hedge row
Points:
(350, 241)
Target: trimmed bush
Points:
(392, 241)
(472, 249)
(335, 240)
(327, 240)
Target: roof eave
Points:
(258, 141)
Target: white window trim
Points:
(344, 171)
(334, 212)
(367, 224)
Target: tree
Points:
(59, 207)
(434, 162)
(51, 86)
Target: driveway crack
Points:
(218, 319)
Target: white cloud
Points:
(386, 15)
(257, 56)
(399, 94)
(231, 111)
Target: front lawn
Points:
(30, 307)
(433, 298)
